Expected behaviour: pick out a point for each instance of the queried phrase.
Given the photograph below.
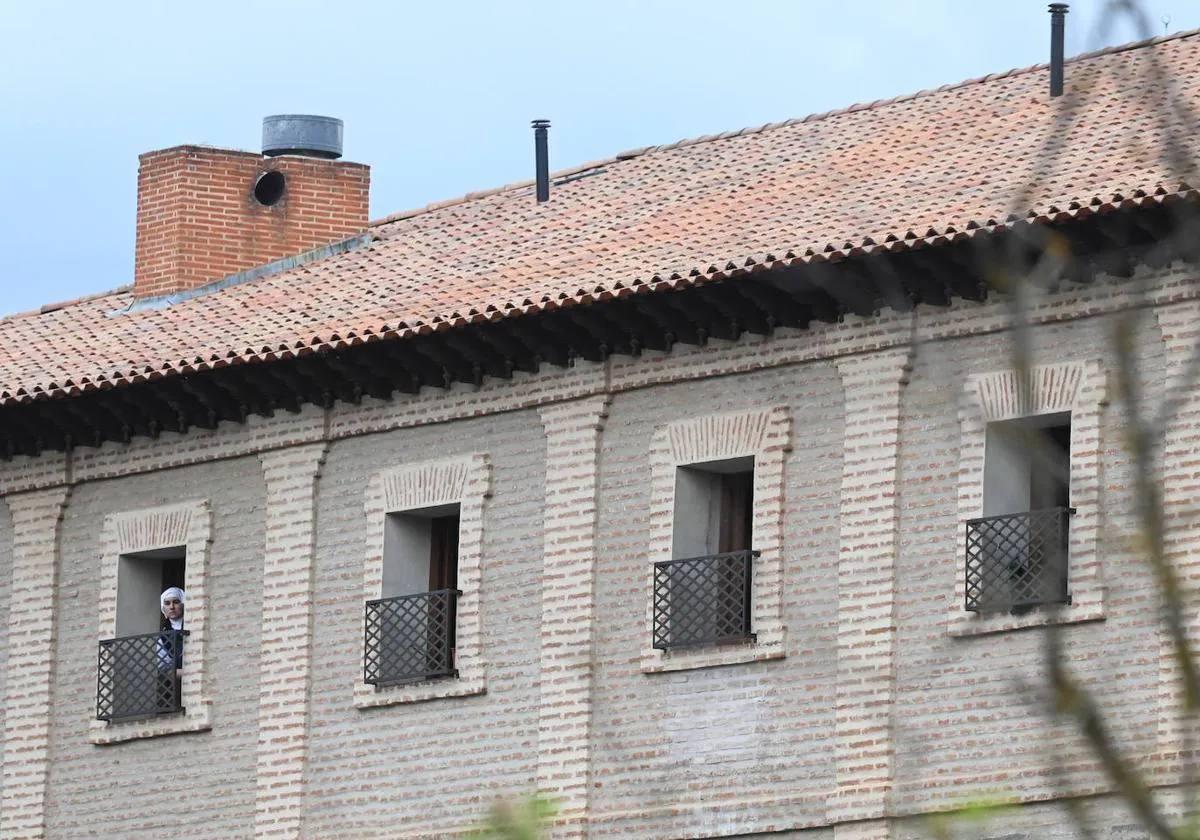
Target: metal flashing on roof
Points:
(353, 243)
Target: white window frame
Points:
(1080, 388)
(188, 524)
(465, 481)
(766, 436)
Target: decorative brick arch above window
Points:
(766, 436)
(188, 524)
(465, 481)
(1076, 387)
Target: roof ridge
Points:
(630, 154)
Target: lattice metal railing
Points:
(410, 638)
(702, 600)
(1017, 561)
(136, 676)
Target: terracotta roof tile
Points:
(888, 175)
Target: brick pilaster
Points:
(31, 635)
(291, 479)
(568, 557)
(1180, 477)
(866, 629)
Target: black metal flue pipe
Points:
(1058, 19)
(541, 152)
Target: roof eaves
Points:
(720, 270)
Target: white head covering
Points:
(172, 592)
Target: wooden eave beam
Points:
(580, 343)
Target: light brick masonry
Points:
(31, 637)
(902, 681)
(568, 571)
(865, 593)
(1180, 470)
(287, 596)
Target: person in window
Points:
(170, 642)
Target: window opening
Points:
(702, 595)
(1017, 552)
(411, 630)
(139, 669)
(141, 579)
(173, 568)
(714, 507)
(1027, 464)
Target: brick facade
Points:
(873, 714)
(198, 220)
(29, 685)
(286, 658)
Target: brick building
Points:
(694, 496)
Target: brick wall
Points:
(965, 721)
(428, 768)
(675, 753)
(745, 749)
(198, 220)
(6, 546)
(143, 788)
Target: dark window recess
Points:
(443, 552)
(703, 600)
(411, 637)
(737, 511)
(1017, 556)
(136, 676)
(173, 569)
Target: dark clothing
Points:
(170, 649)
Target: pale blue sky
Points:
(437, 97)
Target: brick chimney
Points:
(205, 213)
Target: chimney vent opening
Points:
(269, 188)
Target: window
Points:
(151, 679)
(141, 577)
(411, 634)
(424, 553)
(702, 596)
(139, 670)
(1027, 464)
(714, 508)
(1017, 552)
(1029, 488)
(420, 551)
(715, 540)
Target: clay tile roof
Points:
(889, 175)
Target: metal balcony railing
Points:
(410, 638)
(702, 600)
(1017, 561)
(135, 676)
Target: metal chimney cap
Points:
(302, 134)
